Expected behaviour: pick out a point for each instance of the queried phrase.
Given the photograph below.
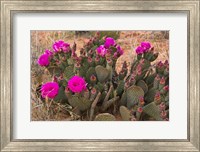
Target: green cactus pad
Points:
(125, 113)
(143, 85)
(150, 79)
(123, 100)
(61, 95)
(80, 102)
(89, 73)
(152, 110)
(149, 97)
(102, 73)
(68, 72)
(120, 88)
(83, 69)
(54, 70)
(146, 64)
(99, 86)
(133, 95)
(105, 117)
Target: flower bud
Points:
(109, 61)
(163, 114)
(77, 66)
(162, 106)
(93, 78)
(157, 98)
(55, 79)
(68, 92)
(93, 93)
(139, 109)
(162, 81)
(97, 59)
(141, 101)
(89, 59)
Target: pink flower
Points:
(119, 50)
(109, 42)
(77, 84)
(43, 60)
(50, 90)
(50, 54)
(61, 46)
(145, 46)
(139, 50)
(101, 50)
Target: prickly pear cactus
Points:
(89, 80)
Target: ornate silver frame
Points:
(10, 7)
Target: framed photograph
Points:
(100, 75)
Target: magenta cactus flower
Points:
(43, 60)
(77, 84)
(139, 50)
(50, 90)
(101, 50)
(109, 42)
(145, 46)
(50, 53)
(119, 50)
(61, 46)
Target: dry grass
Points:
(42, 40)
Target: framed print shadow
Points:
(100, 75)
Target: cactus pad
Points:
(133, 95)
(149, 97)
(120, 88)
(143, 85)
(125, 113)
(105, 117)
(102, 73)
(90, 72)
(152, 110)
(123, 100)
(61, 95)
(68, 72)
(80, 102)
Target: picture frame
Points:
(9, 8)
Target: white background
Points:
(176, 128)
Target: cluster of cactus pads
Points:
(87, 80)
